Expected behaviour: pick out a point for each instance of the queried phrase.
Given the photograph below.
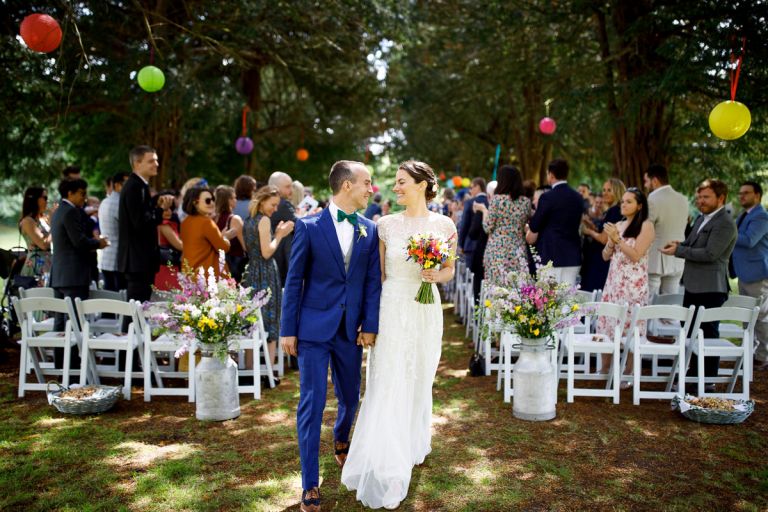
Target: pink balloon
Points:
(375, 188)
(547, 125)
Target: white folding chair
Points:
(721, 347)
(32, 341)
(94, 338)
(668, 328)
(641, 347)
(729, 330)
(167, 345)
(588, 344)
(256, 342)
(507, 351)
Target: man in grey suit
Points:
(668, 211)
(72, 248)
(706, 252)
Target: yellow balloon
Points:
(729, 120)
(465, 183)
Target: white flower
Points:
(362, 231)
(434, 188)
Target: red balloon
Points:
(41, 33)
(375, 188)
(302, 155)
(456, 181)
(442, 176)
(547, 125)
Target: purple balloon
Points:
(244, 145)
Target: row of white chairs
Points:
(665, 317)
(96, 336)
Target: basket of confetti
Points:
(83, 399)
(719, 411)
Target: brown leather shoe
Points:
(310, 500)
(340, 452)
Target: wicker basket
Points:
(715, 416)
(102, 400)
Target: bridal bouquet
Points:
(534, 307)
(428, 251)
(210, 309)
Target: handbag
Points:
(477, 365)
(170, 256)
(25, 282)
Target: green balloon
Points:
(151, 79)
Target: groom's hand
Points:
(366, 339)
(290, 345)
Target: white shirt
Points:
(707, 217)
(345, 231)
(559, 183)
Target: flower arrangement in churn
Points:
(428, 251)
(211, 310)
(534, 307)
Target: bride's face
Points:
(407, 190)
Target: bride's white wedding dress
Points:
(393, 429)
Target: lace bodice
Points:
(395, 230)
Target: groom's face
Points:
(361, 189)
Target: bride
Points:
(392, 433)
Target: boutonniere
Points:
(362, 233)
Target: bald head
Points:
(282, 182)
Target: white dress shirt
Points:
(345, 231)
(707, 217)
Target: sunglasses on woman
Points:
(207, 200)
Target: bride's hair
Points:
(420, 171)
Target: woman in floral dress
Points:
(36, 233)
(504, 221)
(627, 249)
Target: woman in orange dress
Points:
(202, 240)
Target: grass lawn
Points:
(594, 456)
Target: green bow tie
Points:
(341, 217)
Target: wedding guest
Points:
(171, 247)
(72, 247)
(667, 209)
(226, 220)
(262, 244)
(750, 261)
(477, 195)
(594, 268)
(109, 211)
(190, 183)
(706, 251)
(505, 221)
(554, 227)
(71, 172)
(386, 208)
(285, 213)
(138, 219)
(37, 234)
(374, 208)
(538, 193)
(627, 250)
(201, 238)
(244, 187)
(297, 196)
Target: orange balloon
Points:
(302, 155)
(456, 181)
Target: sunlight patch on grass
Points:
(50, 422)
(136, 455)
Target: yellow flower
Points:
(239, 308)
(427, 264)
(517, 309)
(535, 332)
(487, 303)
(575, 307)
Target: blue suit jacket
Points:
(467, 243)
(318, 292)
(557, 220)
(750, 255)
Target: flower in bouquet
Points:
(429, 252)
(211, 310)
(534, 307)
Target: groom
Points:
(330, 311)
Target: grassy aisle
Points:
(593, 456)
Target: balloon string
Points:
(735, 75)
(245, 120)
(151, 55)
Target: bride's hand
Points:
(430, 276)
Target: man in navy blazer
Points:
(554, 228)
(467, 244)
(750, 260)
(330, 311)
